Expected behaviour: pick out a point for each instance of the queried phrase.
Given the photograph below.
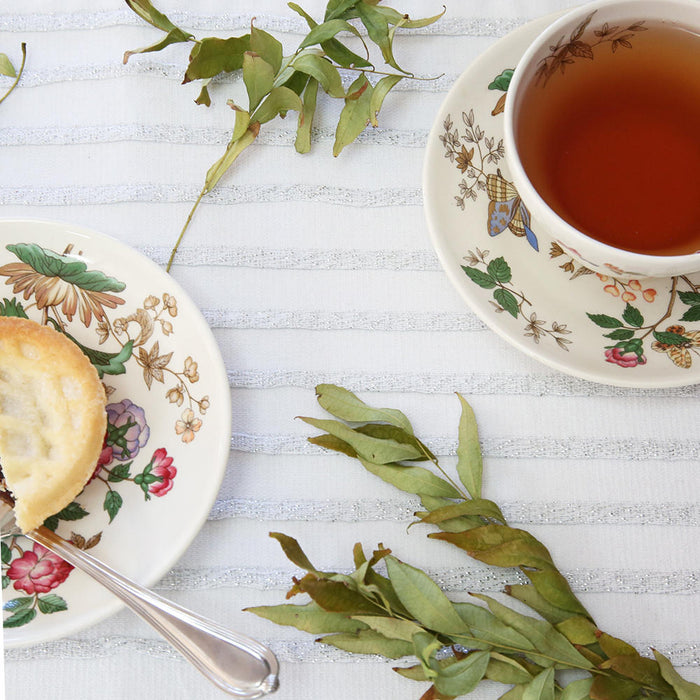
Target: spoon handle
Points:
(237, 664)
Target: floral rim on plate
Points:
(140, 340)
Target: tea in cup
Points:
(602, 135)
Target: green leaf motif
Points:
(51, 603)
(5, 553)
(502, 81)
(469, 461)
(605, 321)
(690, 298)
(633, 316)
(620, 334)
(484, 280)
(668, 338)
(691, 314)
(20, 618)
(112, 503)
(5, 582)
(12, 307)
(499, 270)
(506, 299)
(73, 271)
(111, 363)
(120, 472)
(73, 511)
(18, 603)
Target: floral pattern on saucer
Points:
(638, 332)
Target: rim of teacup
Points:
(643, 264)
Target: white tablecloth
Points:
(314, 269)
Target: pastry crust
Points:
(52, 419)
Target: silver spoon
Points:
(236, 664)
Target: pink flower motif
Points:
(624, 359)
(38, 571)
(106, 456)
(162, 467)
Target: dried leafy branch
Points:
(7, 68)
(276, 84)
(403, 612)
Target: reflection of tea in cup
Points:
(603, 134)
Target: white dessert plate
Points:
(169, 417)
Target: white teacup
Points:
(594, 254)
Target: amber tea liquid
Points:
(612, 144)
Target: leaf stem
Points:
(173, 252)
(374, 71)
(19, 72)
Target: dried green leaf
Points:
(337, 596)
(293, 551)
(552, 647)
(413, 673)
(330, 442)
(485, 626)
(577, 690)
(462, 676)
(308, 618)
(333, 48)
(204, 98)
(500, 545)
(377, 27)
(347, 406)
(579, 630)
(266, 46)
(146, 10)
(612, 646)
(391, 627)
(432, 503)
(503, 669)
(212, 56)
(515, 693)
(323, 71)
(613, 688)
(233, 150)
(372, 449)
(278, 102)
(394, 17)
(425, 645)
(381, 90)
(469, 462)
(340, 8)
(541, 687)
(258, 76)
(328, 30)
(477, 506)
(355, 114)
(415, 480)
(423, 598)
(369, 642)
(302, 144)
(685, 690)
(383, 431)
(6, 67)
(175, 36)
(527, 593)
(644, 671)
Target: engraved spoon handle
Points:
(237, 664)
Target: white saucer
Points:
(529, 292)
(166, 384)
